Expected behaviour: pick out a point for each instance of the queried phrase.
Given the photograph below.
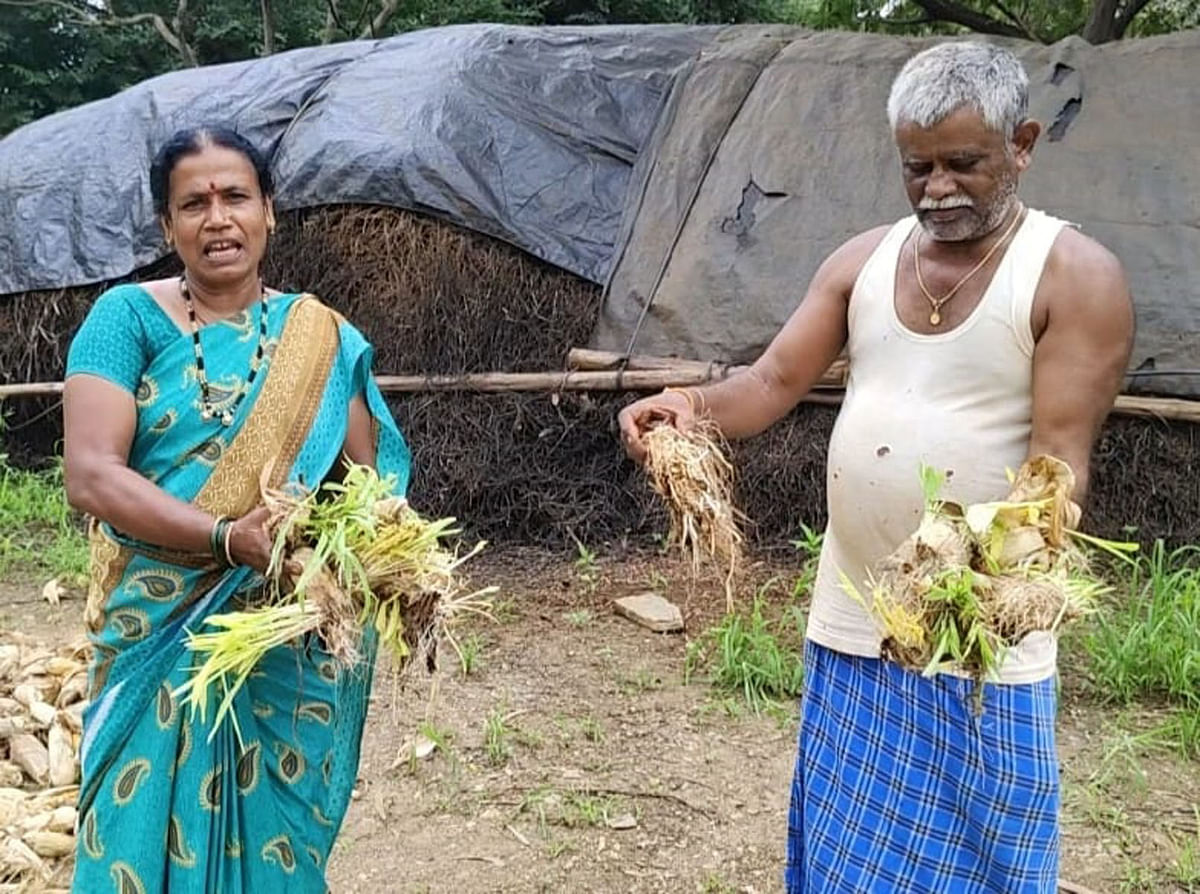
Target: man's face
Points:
(960, 175)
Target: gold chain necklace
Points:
(935, 316)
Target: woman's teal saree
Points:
(163, 806)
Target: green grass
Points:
(584, 809)
(809, 546)
(754, 655)
(1186, 867)
(585, 564)
(559, 846)
(592, 729)
(580, 618)
(497, 735)
(468, 654)
(549, 806)
(642, 681)
(715, 883)
(1145, 647)
(39, 533)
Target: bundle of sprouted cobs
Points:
(973, 581)
(347, 558)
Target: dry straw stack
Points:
(541, 468)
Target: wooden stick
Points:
(31, 389)
(636, 380)
(588, 359)
(575, 380)
(1159, 407)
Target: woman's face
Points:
(217, 216)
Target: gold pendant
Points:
(935, 318)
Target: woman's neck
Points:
(227, 299)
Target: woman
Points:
(181, 395)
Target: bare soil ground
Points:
(576, 757)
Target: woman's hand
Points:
(249, 543)
(670, 407)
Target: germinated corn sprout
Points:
(690, 472)
(344, 557)
(972, 582)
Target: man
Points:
(979, 332)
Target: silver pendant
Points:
(227, 418)
(206, 414)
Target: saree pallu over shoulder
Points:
(254, 806)
(282, 416)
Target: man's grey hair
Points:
(939, 81)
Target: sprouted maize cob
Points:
(345, 558)
(972, 582)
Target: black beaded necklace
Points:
(207, 409)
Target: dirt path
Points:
(575, 758)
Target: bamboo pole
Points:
(1159, 408)
(589, 359)
(31, 389)
(577, 380)
(697, 373)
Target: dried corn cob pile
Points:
(42, 696)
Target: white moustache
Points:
(946, 204)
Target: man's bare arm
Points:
(1082, 353)
(747, 403)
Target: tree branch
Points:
(268, 28)
(950, 11)
(1016, 20)
(333, 22)
(89, 16)
(177, 40)
(1100, 24)
(376, 24)
(364, 15)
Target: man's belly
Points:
(876, 499)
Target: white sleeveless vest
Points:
(960, 401)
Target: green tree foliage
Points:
(1097, 21)
(55, 54)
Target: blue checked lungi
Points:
(900, 787)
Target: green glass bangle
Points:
(216, 539)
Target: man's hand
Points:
(669, 407)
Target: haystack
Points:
(542, 468)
